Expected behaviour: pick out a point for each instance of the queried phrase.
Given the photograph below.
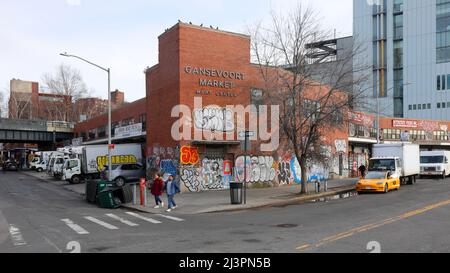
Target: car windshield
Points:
(376, 175)
(382, 165)
(432, 159)
(106, 168)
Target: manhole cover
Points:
(286, 226)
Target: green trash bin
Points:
(108, 198)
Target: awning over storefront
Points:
(362, 140)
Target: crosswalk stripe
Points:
(171, 217)
(16, 236)
(126, 222)
(75, 227)
(101, 223)
(153, 221)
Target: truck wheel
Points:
(39, 170)
(120, 182)
(75, 180)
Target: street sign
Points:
(246, 133)
(128, 131)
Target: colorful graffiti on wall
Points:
(189, 155)
(259, 169)
(214, 119)
(211, 174)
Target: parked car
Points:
(11, 166)
(378, 182)
(124, 173)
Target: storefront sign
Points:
(405, 123)
(362, 119)
(215, 78)
(129, 131)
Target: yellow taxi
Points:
(378, 182)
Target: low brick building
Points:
(201, 71)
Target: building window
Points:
(429, 105)
(127, 122)
(415, 107)
(101, 131)
(143, 120)
(438, 85)
(443, 105)
(440, 135)
(420, 106)
(410, 107)
(439, 105)
(443, 31)
(92, 134)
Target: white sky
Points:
(122, 34)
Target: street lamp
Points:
(109, 107)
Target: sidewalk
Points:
(219, 201)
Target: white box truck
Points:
(94, 158)
(402, 159)
(40, 161)
(435, 163)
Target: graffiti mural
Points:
(259, 169)
(168, 166)
(189, 155)
(284, 173)
(214, 119)
(211, 174)
(190, 177)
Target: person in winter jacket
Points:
(171, 189)
(157, 190)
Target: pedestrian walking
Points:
(157, 190)
(171, 189)
(362, 170)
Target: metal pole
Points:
(245, 168)
(109, 126)
(378, 117)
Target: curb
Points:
(292, 201)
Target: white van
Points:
(435, 163)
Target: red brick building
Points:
(196, 62)
(94, 130)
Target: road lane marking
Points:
(75, 227)
(101, 223)
(372, 226)
(16, 236)
(126, 222)
(171, 218)
(153, 221)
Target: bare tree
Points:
(312, 101)
(67, 82)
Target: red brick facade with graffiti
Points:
(196, 62)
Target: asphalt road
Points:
(36, 216)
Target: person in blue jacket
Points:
(171, 188)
